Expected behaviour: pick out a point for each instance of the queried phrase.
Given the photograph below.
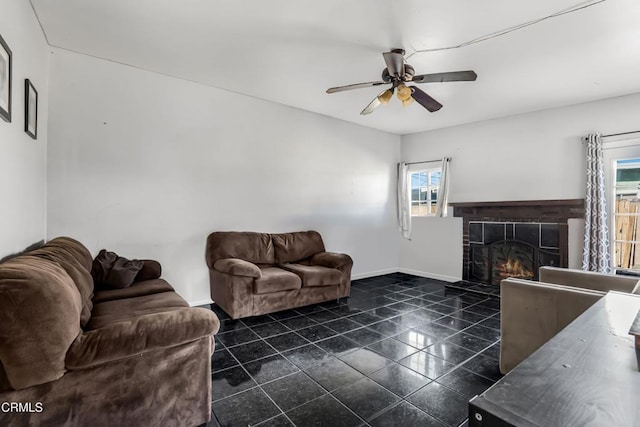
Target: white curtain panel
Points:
(404, 201)
(443, 191)
(596, 256)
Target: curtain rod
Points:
(425, 161)
(621, 133)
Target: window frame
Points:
(430, 205)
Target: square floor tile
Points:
(399, 379)
(491, 322)
(232, 411)
(230, 325)
(365, 336)
(392, 349)
(222, 359)
(316, 333)
(450, 352)
(342, 325)
(468, 316)
(338, 345)
(237, 337)
(251, 351)
(486, 366)
(469, 341)
(452, 322)
(366, 398)
(323, 316)
(298, 322)
(437, 331)
(488, 334)
(307, 356)
(427, 364)
(285, 314)
(387, 327)
(493, 351)
(270, 329)
(406, 415)
(416, 338)
(365, 360)
(441, 403)
(257, 320)
(270, 368)
(465, 382)
(333, 374)
(323, 411)
(287, 341)
(365, 318)
(293, 390)
(230, 381)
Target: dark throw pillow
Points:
(115, 272)
(124, 273)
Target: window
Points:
(424, 191)
(626, 215)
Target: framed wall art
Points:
(30, 109)
(5, 81)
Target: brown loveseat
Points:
(134, 356)
(258, 273)
(534, 312)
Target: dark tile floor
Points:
(402, 350)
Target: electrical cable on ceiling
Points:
(571, 9)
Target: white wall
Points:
(22, 160)
(532, 156)
(148, 165)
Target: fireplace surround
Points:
(514, 238)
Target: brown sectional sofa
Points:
(257, 273)
(135, 356)
(534, 312)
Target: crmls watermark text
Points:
(21, 407)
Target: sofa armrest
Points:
(531, 313)
(140, 335)
(589, 279)
(331, 259)
(238, 267)
(151, 269)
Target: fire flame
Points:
(514, 268)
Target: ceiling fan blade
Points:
(354, 86)
(453, 76)
(395, 62)
(376, 102)
(425, 100)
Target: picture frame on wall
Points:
(30, 109)
(5, 81)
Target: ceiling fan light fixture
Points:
(404, 93)
(407, 101)
(385, 96)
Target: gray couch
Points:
(534, 312)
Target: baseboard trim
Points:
(429, 275)
(373, 273)
(200, 302)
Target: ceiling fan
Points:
(397, 73)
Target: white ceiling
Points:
(291, 51)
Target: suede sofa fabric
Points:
(144, 357)
(294, 270)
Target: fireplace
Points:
(498, 250)
(514, 239)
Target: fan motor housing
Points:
(409, 72)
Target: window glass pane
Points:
(434, 195)
(435, 177)
(415, 180)
(423, 179)
(423, 194)
(415, 194)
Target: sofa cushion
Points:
(147, 287)
(314, 275)
(125, 309)
(237, 267)
(40, 309)
(291, 247)
(256, 248)
(274, 280)
(111, 271)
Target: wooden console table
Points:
(587, 375)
